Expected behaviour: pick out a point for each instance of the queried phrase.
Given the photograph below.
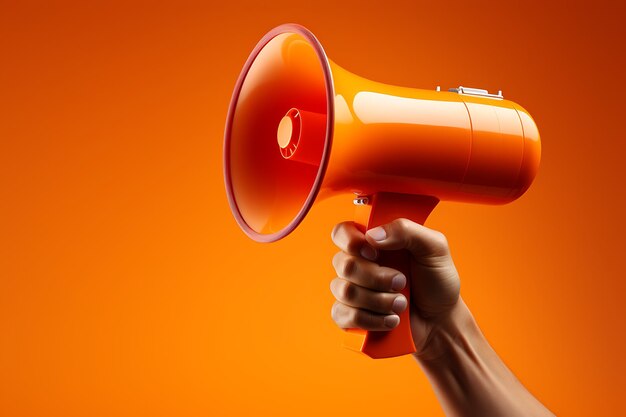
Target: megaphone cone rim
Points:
(330, 94)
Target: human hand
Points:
(368, 294)
(451, 349)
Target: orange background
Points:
(126, 287)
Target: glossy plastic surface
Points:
(298, 136)
(268, 193)
(384, 139)
(451, 146)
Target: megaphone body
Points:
(300, 128)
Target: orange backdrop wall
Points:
(126, 287)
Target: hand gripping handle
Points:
(383, 208)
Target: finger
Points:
(348, 317)
(352, 295)
(421, 241)
(351, 240)
(368, 274)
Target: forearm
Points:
(467, 375)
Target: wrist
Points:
(467, 375)
(455, 330)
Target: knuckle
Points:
(348, 291)
(336, 231)
(384, 302)
(337, 260)
(348, 266)
(379, 302)
(363, 319)
(351, 318)
(404, 224)
(440, 241)
(334, 312)
(383, 281)
(353, 245)
(408, 233)
(407, 228)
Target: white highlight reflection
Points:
(382, 108)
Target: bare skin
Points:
(467, 375)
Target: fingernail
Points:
(368, 252)
(399, 304)
(398, 282)
(377, 233)
(391, 321)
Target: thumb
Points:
(421, 241)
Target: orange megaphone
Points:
(300, 127)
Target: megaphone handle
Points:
(371, 212)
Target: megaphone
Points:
(300, 128)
